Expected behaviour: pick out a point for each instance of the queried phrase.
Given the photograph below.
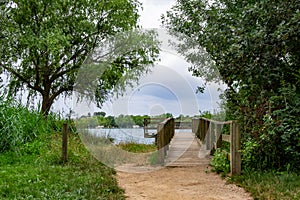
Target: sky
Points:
(169, 88)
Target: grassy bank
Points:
(138, 148)
(270, 185)
(263, 185)
(43, 176)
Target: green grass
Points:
(270, 185)
(142, 148)
(44, 176)
(138, 148)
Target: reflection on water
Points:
(135, 135)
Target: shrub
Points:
(278, 143)
(220, 162)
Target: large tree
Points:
(254, 46)
(44, 43)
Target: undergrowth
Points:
(31, 165)
(46, 177)
(269, 185)
(138, 148)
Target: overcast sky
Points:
(170, 87)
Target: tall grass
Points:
(270, 185)
(20, 126)
(31, 165)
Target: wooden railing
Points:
(150, 126)
(165, 133)
(183, 125)
(210, 133)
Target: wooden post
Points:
(219, 136)
(203, 130)
(208, 135)
(196, 127)
(235, 144)
(212, 136)
(166, 137)
(145, 127)
(65, 143)
(160, 143)
(172, 128)
(165, 133)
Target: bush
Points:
(278, 144)
(220, 162)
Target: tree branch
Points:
(61, 90)
(23, 79)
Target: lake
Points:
(135, 135)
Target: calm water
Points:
(126, 135)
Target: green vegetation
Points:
(138, 148)
(270, 185)
(124, 121)
(31, 166)
(220, 161)
(45, 177)
(44, 44)
(142, 148)
(121, 121)
(251, 46)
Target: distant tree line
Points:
(99, 119)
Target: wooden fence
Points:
(165, 133)
(150, 126)
(210, 133)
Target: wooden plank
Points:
(226, 138)
(184, 151)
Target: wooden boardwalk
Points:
(185, 151)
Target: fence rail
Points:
(165, 133)
(210, 133)
(150, 126)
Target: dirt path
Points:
(179, 183)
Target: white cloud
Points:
(152, 11)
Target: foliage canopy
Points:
(254, 46)
(44, 43)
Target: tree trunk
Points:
(46, 105)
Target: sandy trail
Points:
(179, 183)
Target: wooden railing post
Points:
(172, 128)
(65, 143)
(218, 136)
(210, 134)
(235, 145)
(196, 124)
(165, 132)
(160, 144)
